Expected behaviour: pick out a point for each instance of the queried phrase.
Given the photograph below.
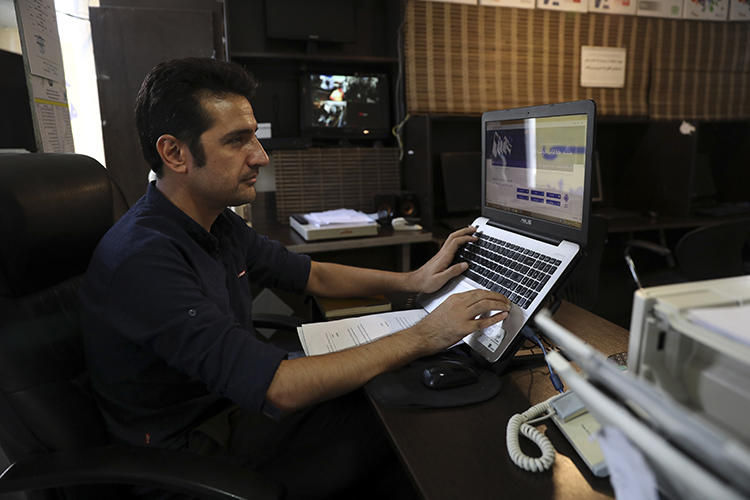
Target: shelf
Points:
(314, 57)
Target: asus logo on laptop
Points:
(525, 221)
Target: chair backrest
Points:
(54, 208)
(714, 251)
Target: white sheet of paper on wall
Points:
(739, 10)
(660, 8)
(567, 5)
(468, 2)
(613, 6)
(706, 10)
(519, 4)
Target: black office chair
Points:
(710, 252)
(54, 208)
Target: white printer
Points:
(703, 364)
(684, 401)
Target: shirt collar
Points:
(209, 241)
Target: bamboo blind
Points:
(466, 59)
(701, 70)
(323, 178)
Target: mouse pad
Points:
(403, 388)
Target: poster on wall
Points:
(707, 10)
(739, 10)
(660, 8)
(566, 5)
(612, 6)
(519, 4)
(468, 2)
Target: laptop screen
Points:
(536, 167)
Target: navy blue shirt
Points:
(166, 313)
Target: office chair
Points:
(54, 208)
(709, 252)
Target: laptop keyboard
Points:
(516, 272)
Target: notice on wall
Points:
(603, 66)
(660, 8)
(52, 114)
(519, 4)
(41, 44)
(739, 10)
(627, 7)
(566, 5)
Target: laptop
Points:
(536, 189)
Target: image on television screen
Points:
(357, 103)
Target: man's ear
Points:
(174, 153)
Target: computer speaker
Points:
(403, 204)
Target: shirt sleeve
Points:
(270, 264)
(156, 301)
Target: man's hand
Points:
(437, 271)
(459, 315)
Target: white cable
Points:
(521, 423)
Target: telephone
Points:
(570, 415)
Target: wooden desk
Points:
(458, 453)
(386, 237)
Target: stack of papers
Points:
(332, 336)
(339, 216)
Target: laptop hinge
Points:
(546, 239)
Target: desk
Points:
(459, 453)
(386, 237)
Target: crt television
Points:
(354, 105)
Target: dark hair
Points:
(169, 102)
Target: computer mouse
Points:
(446, 374)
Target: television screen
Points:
(354, 105)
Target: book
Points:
(342, 308)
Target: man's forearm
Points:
(304, 381)
(336, 280)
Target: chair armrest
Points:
(276, 321)
(645, 245)
(175, 471)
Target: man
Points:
(166, 305)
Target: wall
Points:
(469, 59)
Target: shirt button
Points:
(192, 313)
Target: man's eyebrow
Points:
(237, 133)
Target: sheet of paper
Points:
(339, 216)
(565, 5)
(40, 40)
(603, 66)
(521, 4)
(630, 475)
(728, 321)
(739, 10)
(613, 6)
(660, 8)
(713, 10)
(52, 115)
(332, 336)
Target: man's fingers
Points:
(491, 320)
(476, 296)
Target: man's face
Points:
(232, 151)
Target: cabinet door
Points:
(128, 42)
